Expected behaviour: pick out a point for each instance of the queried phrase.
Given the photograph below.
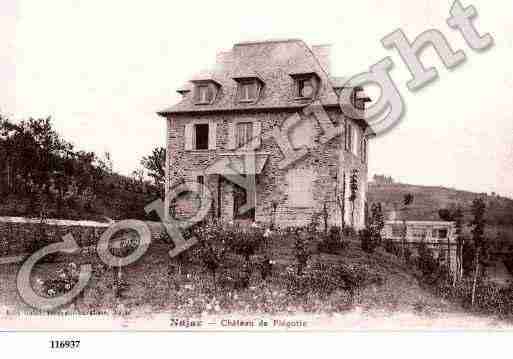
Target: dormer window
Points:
(205, 92)
(306, 86)
(248, 89)
(204, 95)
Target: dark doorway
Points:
(240, 198)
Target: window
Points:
(244, 133)
(248, 88)
(248, 91)
(201, 136)
(352, 139)
(205, 92)
(306, 86)
(355, 141)
(440, 233)
(419, 232)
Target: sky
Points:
(102, 69)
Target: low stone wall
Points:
(18, 235)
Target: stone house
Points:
(236, 108)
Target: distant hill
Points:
(427, 200)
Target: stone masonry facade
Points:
(301, 189)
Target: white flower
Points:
(217, 308)
(267, 233)
(67, 286)
(51, 292)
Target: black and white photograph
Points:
(255, 168)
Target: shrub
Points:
(313, 225)
(323, 279)
(391, 247)
(301, 251)
(349, 232)
(245, 243)
(266, 267)
(368, 240)
(490, 298)
(332, 242)
(65, 279)
(42, 239)
(432, 272)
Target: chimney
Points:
(323, 54)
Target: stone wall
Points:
(18, 234)
(326, 163)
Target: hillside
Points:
(150, 284)
(116, 197)
(428, 200)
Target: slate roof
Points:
(271, 61)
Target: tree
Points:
(407, 200)
(458, 218)
(478, 223)
(325, 216)
(353, 191)
(155, 164)
(445, 214)
(376, 222)
(454, 215)
(340, 197)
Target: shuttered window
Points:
(244, 134)
(200, 136)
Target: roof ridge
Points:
(260, 42)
